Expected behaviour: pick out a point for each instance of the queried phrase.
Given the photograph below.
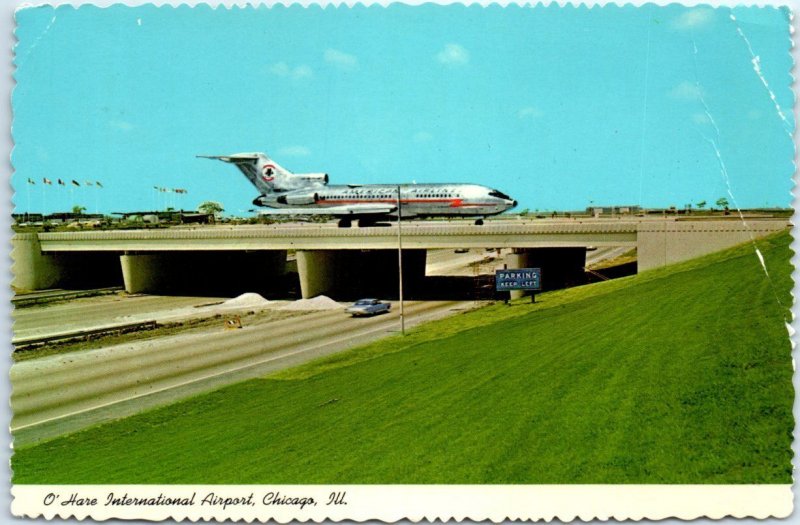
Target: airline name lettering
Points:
(392, 192)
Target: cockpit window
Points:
(499, 195)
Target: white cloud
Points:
(695, 18)
(341, 60)
(529, 113)
(302, 72)
(282, 69)
(422, 136)
(687, 91)
(453, 55)
(120, 125)
(294, 151)
(700, 118)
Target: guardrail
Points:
(28, 299)
(24, 343)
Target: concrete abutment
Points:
(663, 243)
(32, 269)
(35, 270)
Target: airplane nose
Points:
(513, 204)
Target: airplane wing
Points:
(336, 211)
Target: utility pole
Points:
(400, 259)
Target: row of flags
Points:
(49, 182)
(97, 183)
(168, 190)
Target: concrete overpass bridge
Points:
(331, 259)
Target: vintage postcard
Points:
(387, 262)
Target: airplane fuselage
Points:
(416, 200)
(310, 194)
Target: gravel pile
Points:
(247, 300)
(319, 302)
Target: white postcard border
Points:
(390, 503)
(649, 502)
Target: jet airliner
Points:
(309, 194)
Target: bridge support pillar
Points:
(32, 269)
(317, 271)
(561, 267)
(143, 273)
(356, 273)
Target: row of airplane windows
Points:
(348, 197)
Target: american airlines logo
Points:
(268, 173)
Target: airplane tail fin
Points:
(267, 175)
(260, 170)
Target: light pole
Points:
(400, 259)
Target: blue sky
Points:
(558, 107)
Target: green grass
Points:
(678, 375)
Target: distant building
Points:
(169, 216)
(27, 217)
(613, 210)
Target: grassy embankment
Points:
(678, 375)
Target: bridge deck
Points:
(326, 236)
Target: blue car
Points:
(365, 307)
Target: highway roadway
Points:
(92, 312)
(85, 313)
(605, 252)
(63, 393)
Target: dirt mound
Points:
(247, 300)
(319, 302)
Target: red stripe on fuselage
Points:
(454, 203)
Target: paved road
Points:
(94, 311)
(449, 263)
(603, 253)
(63, 393)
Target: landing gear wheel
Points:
(479, 222)
(345, 223)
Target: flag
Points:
(97, 183)
(47, 181)
(76, 183)
(61, 182)
(30, 181)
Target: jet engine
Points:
(298, 199)
(310, 178)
